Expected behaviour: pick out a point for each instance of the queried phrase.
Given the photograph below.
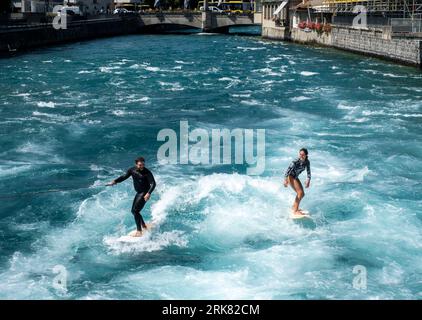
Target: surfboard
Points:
(305, 220)
(130, 237)
(148, 229)
(305, 215)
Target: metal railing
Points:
(405, 7)
(406, 25)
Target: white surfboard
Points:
(305, 215)
(130, 237)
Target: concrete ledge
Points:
(376, 42)
(21, 39)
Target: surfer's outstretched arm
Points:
(120, 179)
(308, 172)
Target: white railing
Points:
(406, 25)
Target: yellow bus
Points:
(230, 6)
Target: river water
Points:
(74, 117)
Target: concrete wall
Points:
(374, 42)
(301, 36)
(377, 43)
(25, 38)
(271, 31)
(257, 18)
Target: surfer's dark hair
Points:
(140, 159)
(304, 150)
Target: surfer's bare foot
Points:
(298, 213)
(137, 234)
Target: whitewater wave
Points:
(48, 104)
(13, 170)
(299, 98)
(149, 242)
(308, 73)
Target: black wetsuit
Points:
(143, 182)
(297, 167)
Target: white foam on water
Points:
(227, 213)
(345, 135)
(299, 98)
(272, 59)
(391, 75)
(188, 283)
(183, 62)
(213, 70)
(149, 242)
(269, 71)
(52, 116)
(345, 106)
(108, 69)
(48, 104)
(168, 197)
(13, 170)
(23, 94)
(308, 73)
(251, 48)
(391, 114)
(231, 81)
(136, 66)
(121, 113)
(207, 34)
(96, 215)
(252, 102)
(152, 69)
(227, 79)
(240, 95)
(171, 86)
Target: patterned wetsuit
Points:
(297, 167)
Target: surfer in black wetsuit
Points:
(292, 177)
(144, 184)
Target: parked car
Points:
(121, 10)
(71, 11)
(212, 9)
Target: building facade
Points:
(92, 7)
(275, 18)
(36, 6)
